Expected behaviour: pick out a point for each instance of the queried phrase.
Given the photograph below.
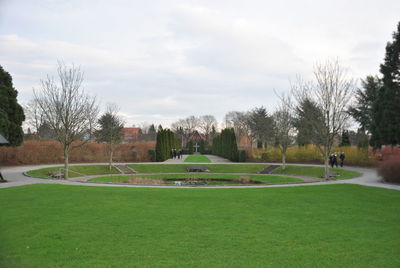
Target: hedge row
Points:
(166, 141)
(225, 145)
(35, 152)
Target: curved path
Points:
(15, 177)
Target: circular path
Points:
(15, 177)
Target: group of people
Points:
(176, 153)
(333, 159)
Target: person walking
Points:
(335, 160)
(342, 157)
(1, 177)
(331, 160)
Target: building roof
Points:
(3, 140)
(196, 136)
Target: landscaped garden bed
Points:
(203, 179)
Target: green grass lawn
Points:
(265, 179)
(312, 226)
(197, 158)
(316, 172)
(85, 169)
(180, 168)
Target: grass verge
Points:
(316, 172)
(197, 158)
(85, 169)
(312, 226)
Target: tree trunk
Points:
(283, 160)
(111, 156)
(326, 171)
(66, 162)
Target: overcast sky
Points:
(165, 60)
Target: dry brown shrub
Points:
(243, 180)
(143, 148)
(35, 152)
(135, 180)
(387, 152)
(389, 169)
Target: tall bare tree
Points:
(240, 122)
(331, 91)
(191, 124)
(185, 127)
(207, 122)
(67, 108)
(34, 116)
(283, 119)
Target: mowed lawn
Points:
(309, 226)
(75, 171)
(316, 172)
(197, 158)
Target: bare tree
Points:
(34, 116)
(331, 92)
(93, 124)
(185, 127)
(110, 131)
(191, 124)
(206, 123)
(67, 108)
(283, 119)
(239, 121)
(178, 128)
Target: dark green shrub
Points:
(189, 146)
(152, 155)
(242, 156)
(225, 145)
(202, 148)
(166, 141)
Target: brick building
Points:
(131, 134)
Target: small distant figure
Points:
(335, 160)
(180, 154)
(1, 177)
(342, 157)
(174, 153)
(331, 160)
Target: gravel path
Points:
(15, 177)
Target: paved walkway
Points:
(15, 177)
(176, 160)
